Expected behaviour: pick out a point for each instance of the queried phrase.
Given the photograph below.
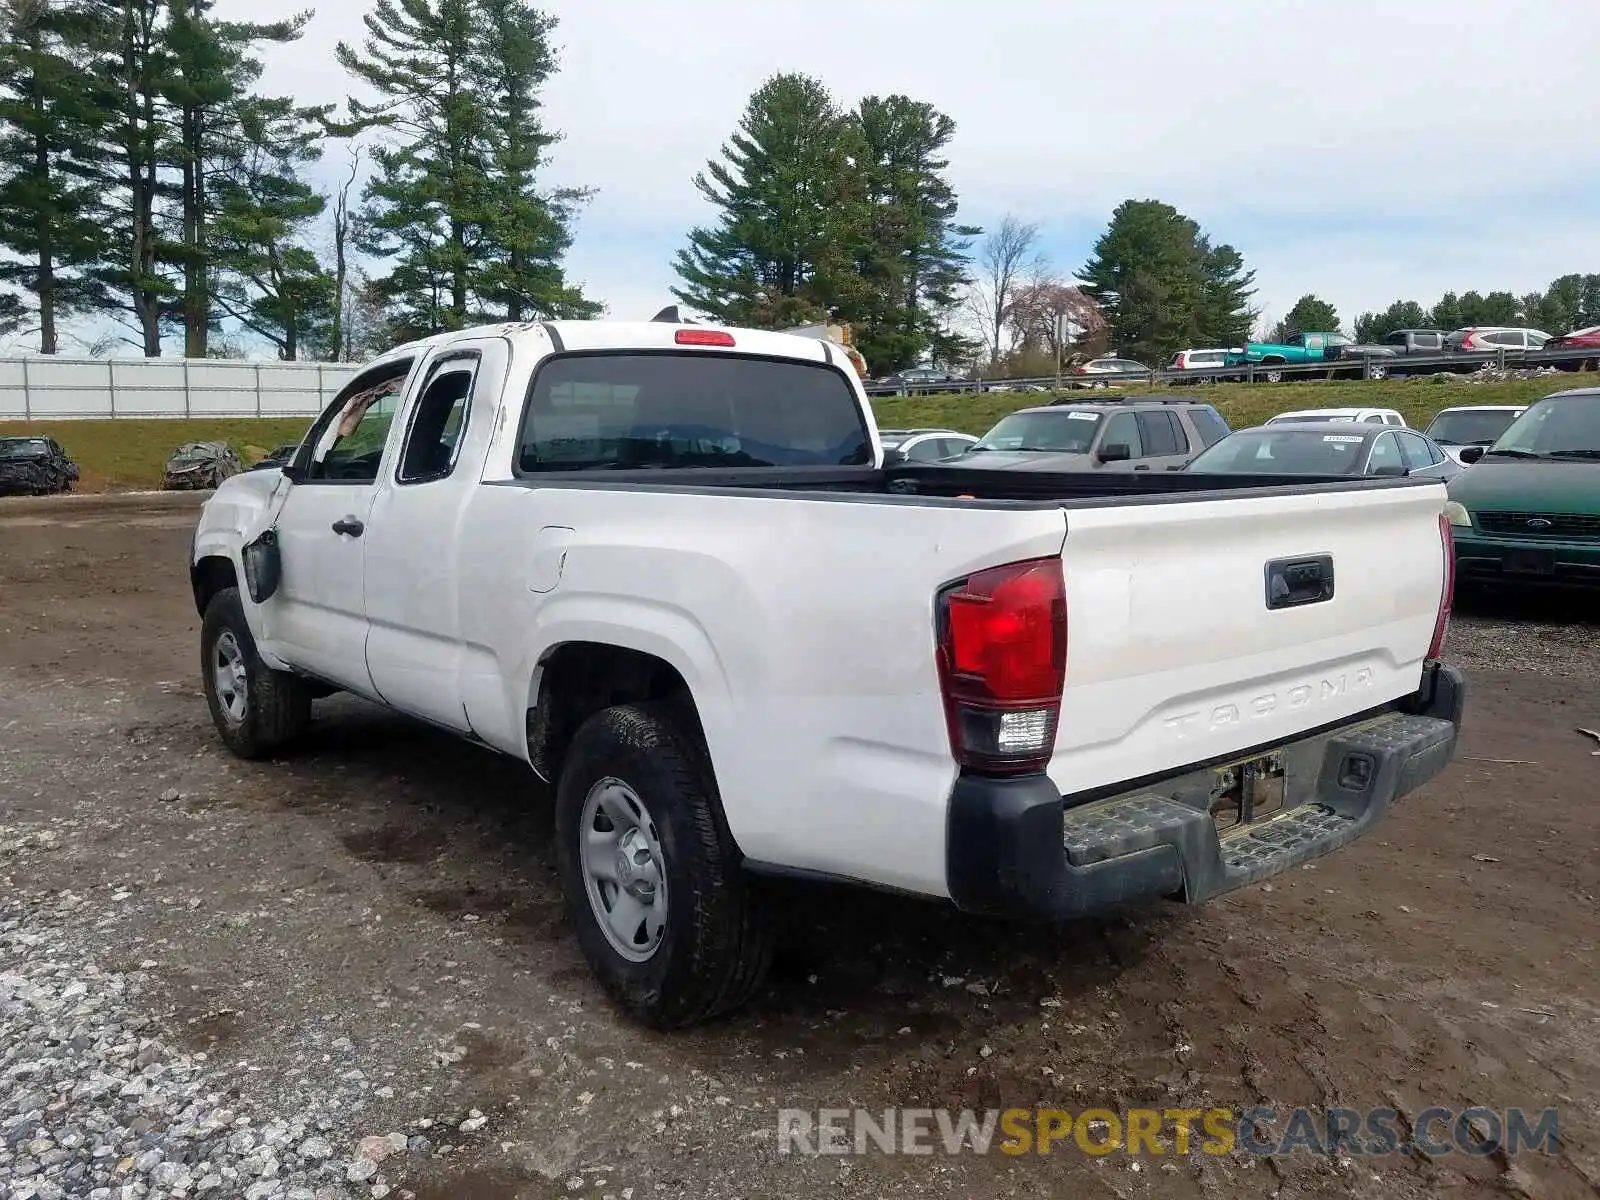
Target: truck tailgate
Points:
(1174, 655)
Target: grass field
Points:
(116, 455)
(128, 454)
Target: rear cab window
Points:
(638, 409)
(1208, 423)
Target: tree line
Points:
(1569, 302)
(144, 176)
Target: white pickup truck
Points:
(664, 565)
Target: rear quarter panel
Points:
(804, 628)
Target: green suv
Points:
(1528, 509)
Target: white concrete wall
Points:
(47, 389)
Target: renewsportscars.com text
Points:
(1477, 1132)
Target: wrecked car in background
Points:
(35, 466)
(200, 465)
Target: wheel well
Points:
(208, 577)
(1273, 360)
(580, 679)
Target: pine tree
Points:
(266, 275)
(776, 256)
(130, 59)
(213, 69)
(454, 207)
(913, 256)
(52, 226)
(527, 232)
(425, 205)
(1309, 315)
(1226, 314)
(1163, 286)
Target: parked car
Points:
(1529, 509)
(200, 465)
(1139, 433)
(913, 378)
(1454, 429)
(1193, 360)
(1578, 339)
(923, 445)
(1106, 370)
(1497, 337)
(649, 561)
(1326, 448)
(35, 466)
(1398, 344)
(1299, 348)
(1363, 416)
(277, 459)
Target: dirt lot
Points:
(368, 938)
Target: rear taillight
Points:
(1441, 624)
(1002, 658)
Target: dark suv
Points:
(1137, 433)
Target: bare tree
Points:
(339, 336)
(1007, 258)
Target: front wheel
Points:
(665, 915)
(256, 709)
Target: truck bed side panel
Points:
(804, 631)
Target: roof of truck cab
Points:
(627, 335)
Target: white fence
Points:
(53, 389)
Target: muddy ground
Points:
(384, 902)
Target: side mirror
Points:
(1115, 452)
(894, 457)
(1472, 454)
(292, 472)
(1395, 470)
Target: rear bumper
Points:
(1496, 559)
(1016, 849)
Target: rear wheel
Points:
(1271, 373)
(256, 709)
(669, 921)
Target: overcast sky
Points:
(1364, 150)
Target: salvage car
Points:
(35, 466)
(200, 465)
(1528, 512)
(1326, 448)
(665, 567)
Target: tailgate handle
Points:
(1292, 582)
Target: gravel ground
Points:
(348, 973)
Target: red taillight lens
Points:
(703, 337)
(1002, 664)
(1441, 625)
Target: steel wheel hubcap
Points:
(230, 678)
(624, 870)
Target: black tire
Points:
(276, 706)
(717, 942)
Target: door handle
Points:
(1142, 467)
(350, 526)
(1292, 582)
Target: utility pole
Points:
(1061, 336)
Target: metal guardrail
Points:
(1365, 366)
